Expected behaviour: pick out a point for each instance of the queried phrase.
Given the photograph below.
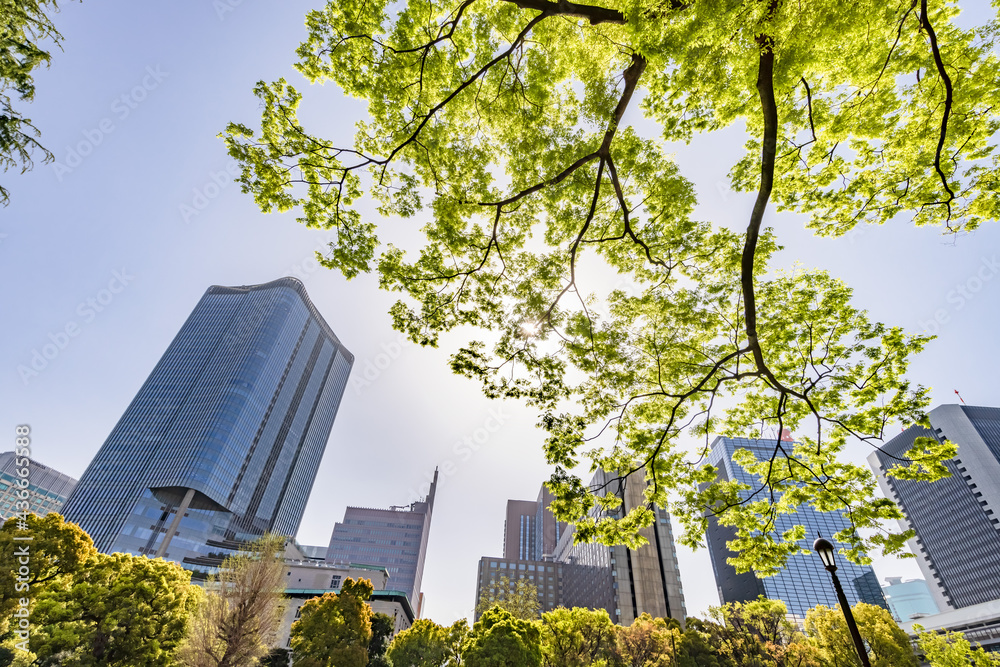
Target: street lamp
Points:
(826, 553)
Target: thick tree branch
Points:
(769, 112)
(592, 13)
(939, 63)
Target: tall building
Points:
(531, 532)
(802, 583)
(306, 578)
(956, 519)
(626, 582)
(394, 538)
(908, 600)
(47, 488)
(223, 440)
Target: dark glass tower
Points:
(223, 441)
(956, 519)
(802, 583)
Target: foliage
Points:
(888, 645)
(577, 637)
(13, 656)
(952, 649)
(507, 127)
(382, 627)
(25, 27)
(427, 644)
(278, 657)
(697, 649)
(648, 642)
(238, 618)
(758, 634)
(499, 639)
(334, 629)
(518, 596)
(118, 611)
(57, 549)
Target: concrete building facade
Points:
(531, 532)
(626, 582)
(956, 519)
(305, 579)
(394, 538)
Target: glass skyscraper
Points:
(956, 519)
(47, 488)
(802, 583)
(223, 440)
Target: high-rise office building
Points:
(223, 440)
(802, 583)
(394, 538)
(956, 519)
(531, 532)
(908, 600)
(626, 582)
(47, 489)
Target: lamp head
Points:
(826, 553)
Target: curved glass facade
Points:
(229, 428)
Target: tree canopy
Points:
(499, 639)
(518, 596)
(757, 633)
(26, 31)
(577, 637)
(378, 645)
(427, 644)
(118, 611)
(887, 644)
(516, 134)
(236, 622)
(952, 649)
(57, 549)
(334, 629)
(648, 642)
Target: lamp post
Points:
(826, 553)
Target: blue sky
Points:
(105, 253)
